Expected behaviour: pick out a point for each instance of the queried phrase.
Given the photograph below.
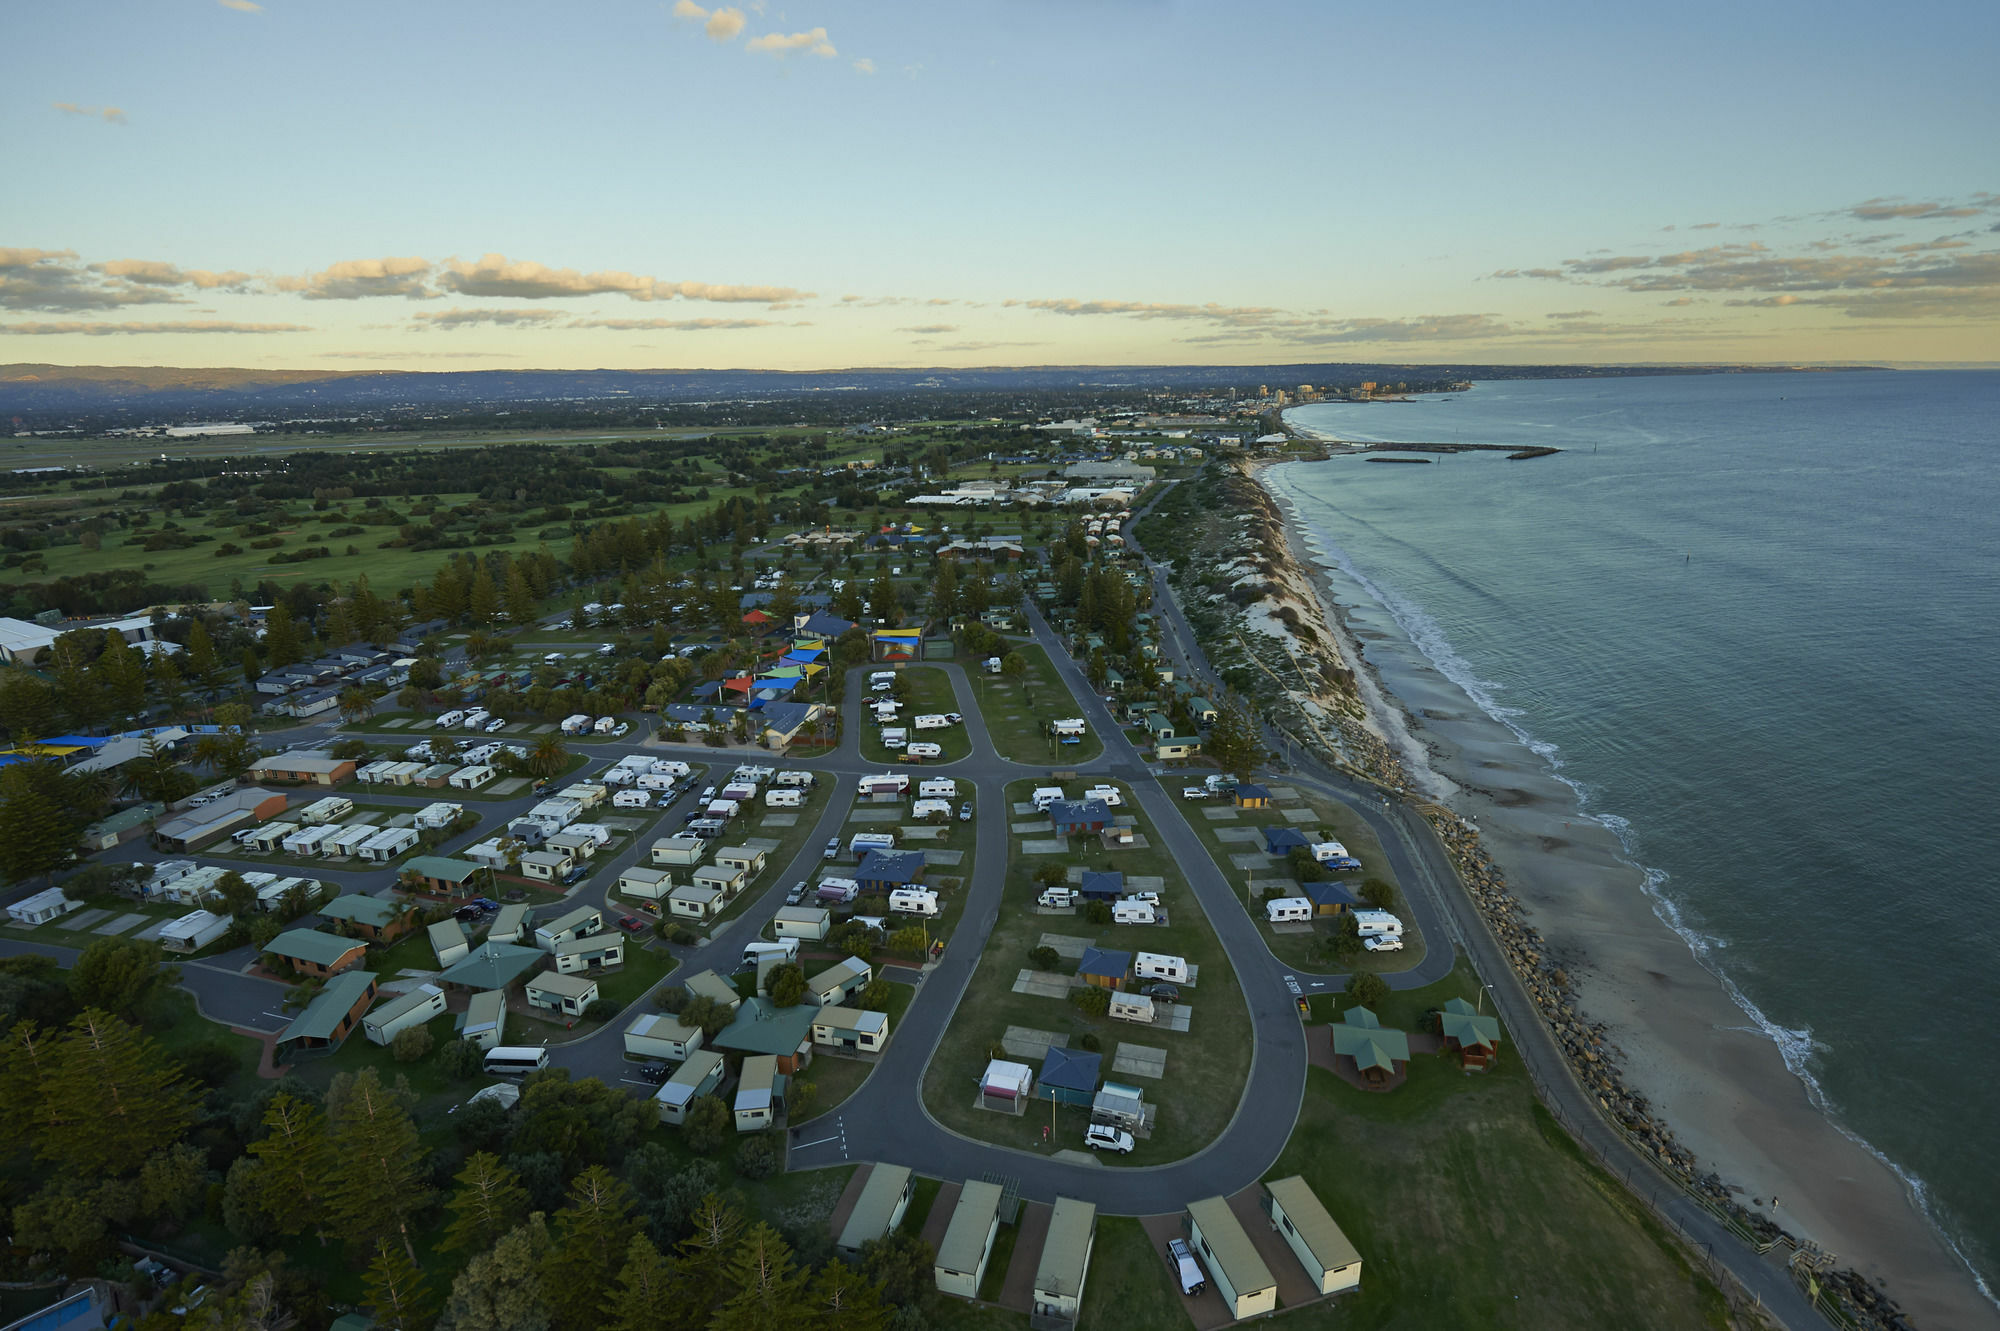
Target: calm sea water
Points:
(1755, 619)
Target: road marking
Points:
(821, 1142)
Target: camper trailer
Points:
(1044, 796)
(1134, 912)
(1286, 909)
(1157, 966)
(914, 901)
(784, 797)
(938, 788)
(866, 841)
(837, 890)
(1377, 922)
(1131, 1007)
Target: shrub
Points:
(411, 1044)
(461, 1059)
(672, 998)
(1379, 893)
(708, 1125)
(1097, 912)
(1089, 1041)
(601, 1009)
(1367, 989)
(1051, 875)
(1044, 958)
(1090, 1000)
(756, 1157)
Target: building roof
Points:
(661, 1026)
(840, 972)
(710, 985)
(333, 1002)
(322, 949)
(357, 908)
(508, 921)
(700, 1065)
(491, 966)
(566, 922)
(1078, 811)
(401, 1003)
(1461, 1022)
(1360, 1035)
(762, 1027)
(1097, 882)
(125, 819)
(1280, 839)
(1322, 1237)
(1247, 791)
(446, 934)
(568, 986)
(49, 898)
(590, 943)
(483, 1011)
(1070, 1069)
(890, 866)
(441, 867)
(1231, 1246)
(1065, 1252)
(852, 1019)
(1328, 894)
(801, 915)
(964, 1242)
(302, 762)
(877, 1203)
(1104, 961)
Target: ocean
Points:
(1754, 620)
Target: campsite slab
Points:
(922, 832)
(1031, 825)
(1172, 1016)
(78, 920)
(119, 925)
(1205, 1311)
(151, 933)
(625, 824)
(943, 856)
(1043, 984)
(888, 815)
(1295, 1288)
(1022, 808)
(395, 722)
(1029, 1044)
(763, 843)
(1250, 860)
(512, 785)
(403, 820)
(548, 729)
(1220, 815)
(1284, 794)
(1238, 836)
(1292, 927)
(844, 1208)
(1295, 814)
(1145, 882)
(781, 820)
(1139, 1060)
(1043, 847)
(1067, 946)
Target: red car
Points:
(631, 924)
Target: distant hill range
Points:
(84, 387)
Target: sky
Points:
(828, 184)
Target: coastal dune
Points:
(1682, 1040)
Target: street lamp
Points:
(1481, 1008)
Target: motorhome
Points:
(1060, 898)
(1044, 796)
(575, 725)
(604, 725)
(1072, 725)
(796, 779)
(837, 890)
(884, 783)
(1109, 795)
(671, 767)
(632, 799)
(924, 750)
(785, 949)
(932, 721)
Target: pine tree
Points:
(204, 666)
(282, 646)
(592, 1233)
(705, 1252)
(118, 1096)
(167, 683)
(37, 834)
(770, 1289)
(648, 1290)
(29, 1059)
(846, 1301)
(339, 623)
(502, 1290)
(520, 596)
(380, 1182)
(398, 1294)
(484, 598)
(295, 1162)
(488, 1201)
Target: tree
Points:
(703, 1011)
(120, 674)
(1044, 958)
(707, 1125)
(1051, 875)
(398, 1295)
(786, 984)
(1367, 989)
(204, 666)
(1380, 893)
(1091, 1000)
(380, 1184)
(647, 1288)
(874, 996)
(117, 975)
(173, 1183)
(411, 1043)
(1013, 665)
(488, 1202)
(239, 898)
(37, 833)
(461, 1059)
(1346, 939)
(282, 646)
(502, 1290)
(549, 756)
(1234, 741)
(846, 1301)
(592, 1234)
(903, 1265)
(111, 1099)
(882, 600)
(27, 707)
(356, 705)
(910, 940)
(756, 1156)
(294, 1163)
(68, 1218)
(770, 1288)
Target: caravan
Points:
(785, 949)
(1157, 966)
(784, 797)
(796, 780)
(1287, 909)
(866, 841)
(1044, 796)
(938, 788)
(1070, 726)
(913, 901)
(1134, 912)
(1130, 1007)
(837, 891)
(1377, 922)
(932, 721)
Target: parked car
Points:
(575, 875)
(707, 794)
(631, 924)
(1144, 898)
(486, 903)
(965, 812)
(496, 725)
(1104, 1137)
(622, 729)
(796, 895)
(466, 914)
(832, 848)
(953, 717)
(1382, 943)
(1170, 992)
(1186, 1268)
(654, 1072)
(1195, 793)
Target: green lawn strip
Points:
(1330, 816)
(929, 692)
(1017, 711)
(52, 931)
(1471, 1166)
(835, 1079)
(791, 840)
(629, 984)
(171, 1019)
(433, 1088)
(1129, 1283)
(922, 1195)
(996, 1265)
(1206, 1065)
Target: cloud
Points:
(721, 24)
(358, 279)
(185, 326)
(930, 328)
(1889, 209)
(241, 6)
(674, 325)
(110, 115)
(727, 294)
(984, 346)
(457, 318)
(864, 66)
(776, 43)
(53, 281)
(153, 272)
(1545, 273)
(1573, 314)
(1237, 315)
(1678, 301)
(1424, 328)
(496, 275)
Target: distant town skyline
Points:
(267, 183)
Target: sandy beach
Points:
(1684, 1043)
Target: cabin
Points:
(647, 885)
(1372, 1055)
(698, 1076)
(385, 1022)
(695, 902)
(566, 994)
(760, 1093)
(313, 953)
(193, 931)
(1169, 747)
(569, 927)
(1252, 797)
(509, 926)
(840, 981)
(726, 881)
(1105, 968)
(42, 907)
(884, 1199)
(1283, 840)
(661, 1035)
(743, 858)
(331, 1017)
(1065, 1262)
(484, 1021)
(1473, 1036)
(303, 769)
(590, 952)
(802, 922)
(1101, 885)
(1078, 817)
(680, 851)
(1236, 1270)
(1069, 1076)
(545, 866)
(376, 919)
(449, 942)
(455, 881)
(968, 1239)
(850, 1029)
(1330, 1259)
(1328, 898)
(887, 870)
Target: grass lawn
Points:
(922, 1196)
(1344, 826)
(1470, 1166)
(1206, 1065)
(996, 1265)
(1129, 1284)
(836, 1079)
(171, 1021)
(630, 983)
(434, 1090)
(928, 690)
(54, 934)
(1019, 709)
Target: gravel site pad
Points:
(1042, 984)
(1220, 815)
(1043, 847)
(1067, 946)
(1239, 836)
(1030, 1044)
(876, 815)
(1139, 1060)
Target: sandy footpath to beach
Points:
(1687, 1047)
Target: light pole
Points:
(1481, 1009)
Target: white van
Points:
(1377, 922)
(913, 901)
(1130, 1007)
(1287, 908)
(992, 665)
(1044, 796)
(895, 738)
(1134, 912)
(785, 949)
(1057, 897)
(1069, 725)
(1158, 966)
(516, 1060)
(862, 841)
(784, 797)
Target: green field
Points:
(928, 690)
(1206, 1065)
(1018, 710)
(1328, 815)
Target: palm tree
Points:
(356, 705)
(549, 756)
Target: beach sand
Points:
(1708, 1071)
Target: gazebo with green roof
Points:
(491, 966)
(1377, 1053)
(1474, 1036)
